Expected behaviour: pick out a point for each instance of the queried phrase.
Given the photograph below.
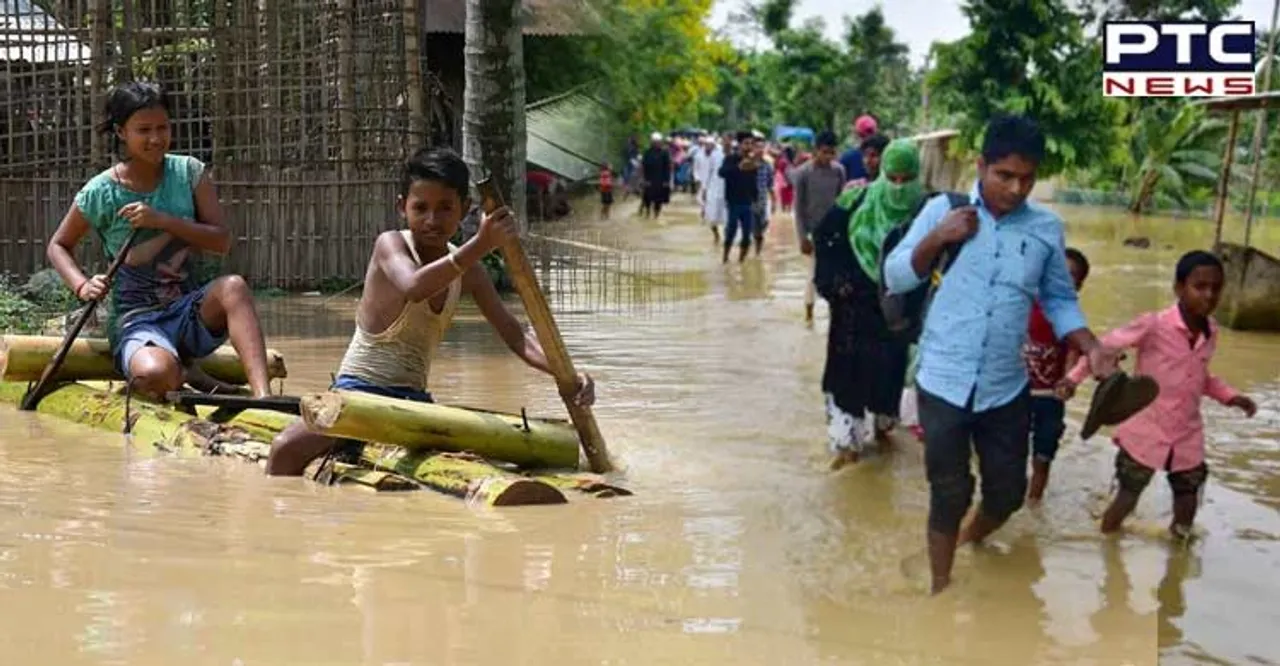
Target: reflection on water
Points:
(737, 548)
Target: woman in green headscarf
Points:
(866, 366)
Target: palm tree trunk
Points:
(493, 121)
(1145, 191)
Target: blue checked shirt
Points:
(764, 181)
(971, 345)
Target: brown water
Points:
(738, 547)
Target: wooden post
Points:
(101, 23)
(544, 324)
(1261, 127)
(346, 85)
(413, 71)
(1229, 155)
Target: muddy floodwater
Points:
(739, 547)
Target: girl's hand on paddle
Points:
(586, 391)
(142, 216)
(1245, 404)
(498, 227)
(92, 289)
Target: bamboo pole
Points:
(24, 357)
(1260, 128)
(544, 324)
(415, 425)
(346, 19)
(466, 477)
(413, 68)
(1229, 155)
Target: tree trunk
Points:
(493, 132)
(24, 357)
(415, 425)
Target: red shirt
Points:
(606, 180)
(1046, 356)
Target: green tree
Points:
(1175, 153)
(1032, 59)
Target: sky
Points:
(918, 23)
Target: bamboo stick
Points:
(1224, 179)
(24, 357)
(414, 425)
(544, 324)
(1260, 129)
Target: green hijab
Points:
(886, 204)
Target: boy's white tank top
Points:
(401, 355)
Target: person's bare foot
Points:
(1039, 480)
(844, 459)
(808, 314)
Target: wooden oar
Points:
(539, 313)
(36, 394)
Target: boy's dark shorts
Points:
(349, 450)
(1134, 476)
(606, 198)
(1048, 423)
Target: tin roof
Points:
(565, 135)
(1266, 100)
(542, 18)
(28, 34)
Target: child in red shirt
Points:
(606, 190)
(1047, 360)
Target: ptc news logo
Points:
(1178, 59)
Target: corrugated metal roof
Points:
(544, 18)
(46, 46)
(566, 135)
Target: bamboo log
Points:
(416, 425)
(544, 324)
(248, 437)
(24, 357)
(467, 477)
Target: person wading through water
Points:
(817, 184)
(866, 364)
(972, 381)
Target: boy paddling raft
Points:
(412, 287)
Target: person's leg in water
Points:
(1047, 426)
(1001, 437)
(1186, 486)
(947, 447)
(760, 224)
(1132, 478)
(733, 223)
(748, 231)
(154, 349)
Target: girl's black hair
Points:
(126, 99)
(1193, 260)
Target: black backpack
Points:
(904, 314)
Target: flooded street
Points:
(739, 547)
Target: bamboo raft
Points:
(483, 457)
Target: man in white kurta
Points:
(715, 211)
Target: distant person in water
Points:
(606, 190)
(863, 127)
(161, 320)
(818, 182)
(412, 287)
(1175, 347)
(1048, 359)
(657, 170)
(872, 149)
(741, 193)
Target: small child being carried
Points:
(1175, 346)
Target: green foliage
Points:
(1033, 60)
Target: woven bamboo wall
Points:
(303, 109)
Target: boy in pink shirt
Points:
(1175, 346)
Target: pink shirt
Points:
(1172, 422)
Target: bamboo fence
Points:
(303, 109)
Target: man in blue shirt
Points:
(863, 128)
(972, 380)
